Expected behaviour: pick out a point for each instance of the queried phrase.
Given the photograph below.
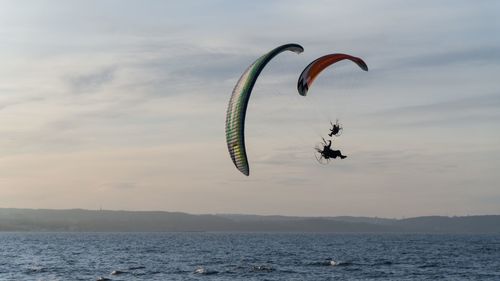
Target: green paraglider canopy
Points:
(236, 111)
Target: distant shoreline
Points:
(79, 220)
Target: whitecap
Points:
(202, 271)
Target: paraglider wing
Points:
(311, 71)
(236, 111)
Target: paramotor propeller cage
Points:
(318, 154)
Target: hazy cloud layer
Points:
(121, 105)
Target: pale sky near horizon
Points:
(121, 105)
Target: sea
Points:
(247, 256)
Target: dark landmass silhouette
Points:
(78, 220)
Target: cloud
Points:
(97, 97)
(91, 82)
(468, 57)
(119, 185)
(472, 110)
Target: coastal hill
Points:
(78, 220)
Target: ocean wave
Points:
(331, 263)
(136, 267)
(118, 272)
(382, 263)
(204, 271)
(428, 265)
(340, 263)
(35, 269)
(262, 268)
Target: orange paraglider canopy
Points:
(311, 71)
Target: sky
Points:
(121, 105)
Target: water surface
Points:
(248, 256)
